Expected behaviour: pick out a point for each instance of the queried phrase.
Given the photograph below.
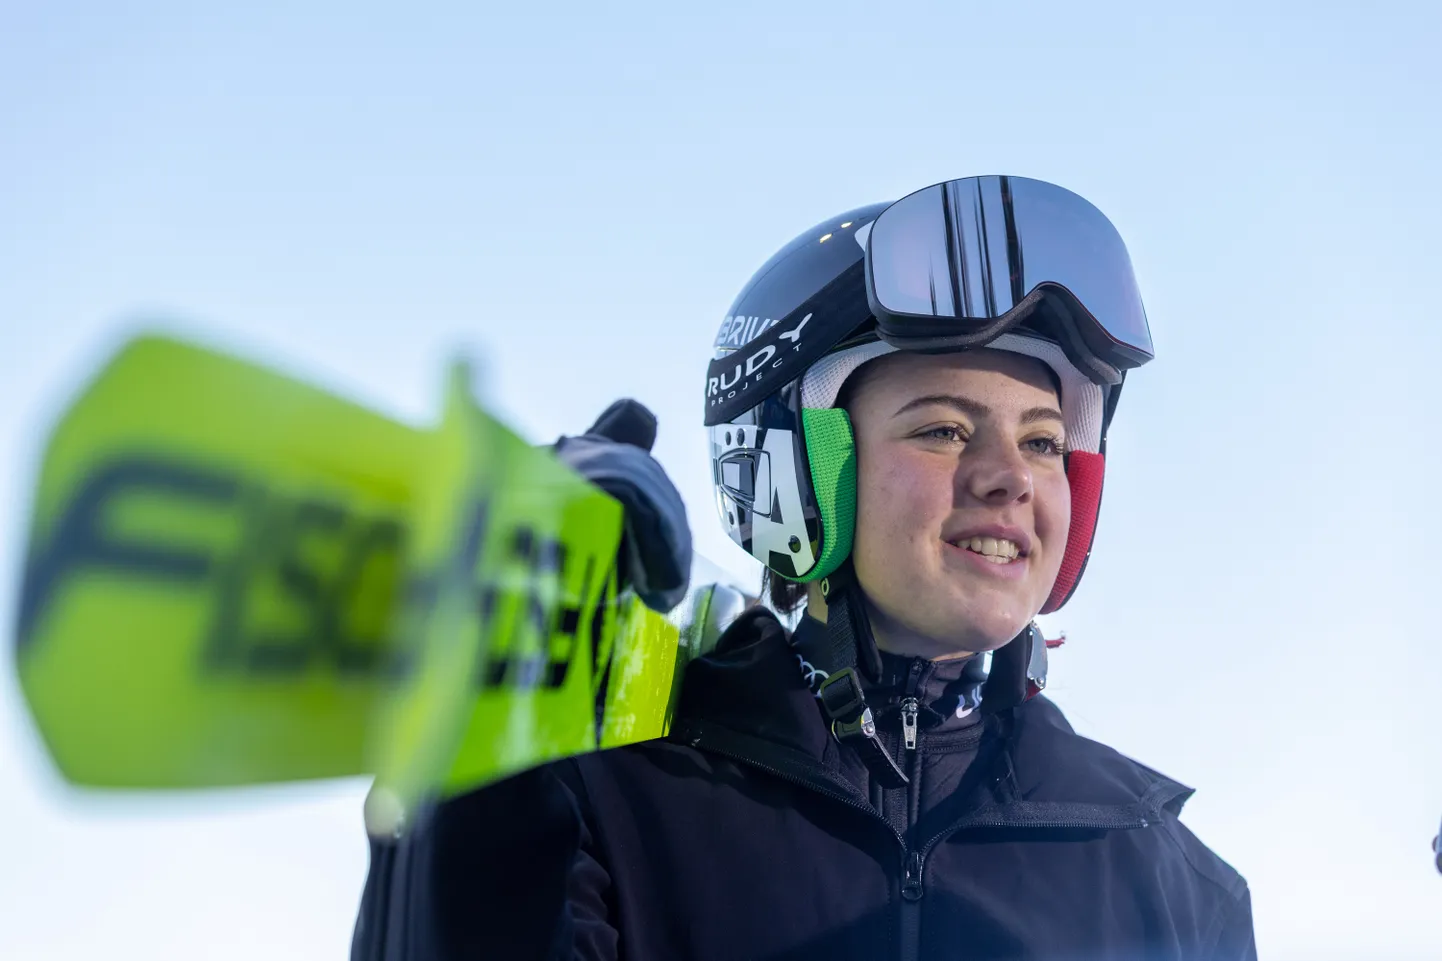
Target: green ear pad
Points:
(831, 451)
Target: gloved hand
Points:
(614, 454)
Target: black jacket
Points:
(750, 833)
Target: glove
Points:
(615, 455)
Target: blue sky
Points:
(577, 192)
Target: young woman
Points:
(908, 411)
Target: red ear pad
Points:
(1084, 473)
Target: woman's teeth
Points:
(993, 549)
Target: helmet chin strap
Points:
(1018, 673)
(842, 699)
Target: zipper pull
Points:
(911, 888)
(909, 709)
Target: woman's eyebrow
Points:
(963, 405)
(976, 409)
(1041, 413)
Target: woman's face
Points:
(962, 500)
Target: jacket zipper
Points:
(911, 886)
(912, 864)
(910, 708)
(911, 894)
(912, 861)
(1118, 824)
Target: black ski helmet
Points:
(782, 454)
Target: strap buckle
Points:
(852, 724)
(841, 696)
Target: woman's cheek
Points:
(1053, 516)
(882, 501)
(896, 499)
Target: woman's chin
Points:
(966, 621)
(942, 639)
(991, 619)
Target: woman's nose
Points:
(995, 473)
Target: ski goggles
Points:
(956, 264)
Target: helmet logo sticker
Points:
(752, 371)
(767, 473)
(741, 329)
(794, 334)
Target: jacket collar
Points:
(753, 685)
(948, 693)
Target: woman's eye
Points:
(950, 434)
(1047, 446)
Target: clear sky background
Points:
(578, 191)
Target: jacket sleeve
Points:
(508, 871)
(1237, 941)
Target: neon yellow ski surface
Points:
(518, 554)
(211, 574)
(233, 578)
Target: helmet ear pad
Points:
(831, 464)
(831, 459)
(1084, 473)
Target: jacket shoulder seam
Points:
(1232, 892)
